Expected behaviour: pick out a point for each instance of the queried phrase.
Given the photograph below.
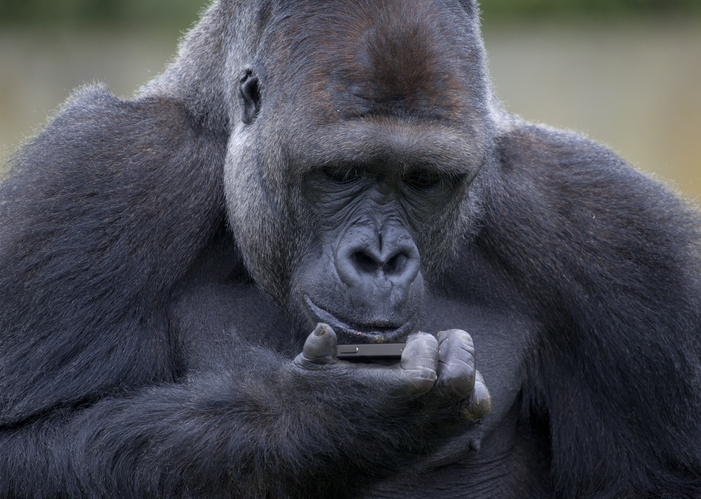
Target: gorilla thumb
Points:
(319, 346)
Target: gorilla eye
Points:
(422, 180)
(343, 175)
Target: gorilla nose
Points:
(371, 263)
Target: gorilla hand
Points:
(441, 368)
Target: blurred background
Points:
(624, 72)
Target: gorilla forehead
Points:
(398, 144)
(344, 60)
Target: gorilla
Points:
(177, 270)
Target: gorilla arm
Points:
(229, 433)
(609, 263)
(103, 214)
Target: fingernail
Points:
(320, 330)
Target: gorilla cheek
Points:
(264, 232)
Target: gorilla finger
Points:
(456, 378)
(456, 365)
(455, 342)
(419, 362)
(480, 401)
(320, 346)
(421, 350)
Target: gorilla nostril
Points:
(365, 263)
(396, 264)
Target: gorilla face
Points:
(351, 164)
(364, 276)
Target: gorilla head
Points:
(360, 126)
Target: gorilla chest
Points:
(218, 324)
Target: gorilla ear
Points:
(249, 95)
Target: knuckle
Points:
(455, 339)
(420, 346)
(421, 381)
(457, 382)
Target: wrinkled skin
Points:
(177, 269)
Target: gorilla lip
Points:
(373, 334)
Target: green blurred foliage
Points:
(164, 13)
(514, 9)
(184, 12)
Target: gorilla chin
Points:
(378, 332)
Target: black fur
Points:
(155, 256)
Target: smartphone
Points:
(370, 352)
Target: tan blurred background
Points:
(630, 78)
(635, 86)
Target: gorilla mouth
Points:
(365, 333)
